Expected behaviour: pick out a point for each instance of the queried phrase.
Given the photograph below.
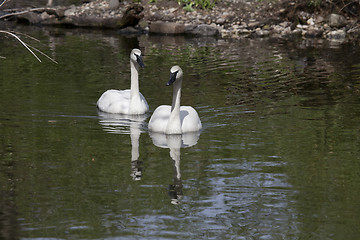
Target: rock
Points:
(190, 27)
(131, 30)
(288, 33)
(70, 12)
(278, 28)
(220, 21)
(284, 24)
(113, 4)
(32, 17)
(78, 16)
(203, 30)
(313, 33)
(225, 33)
(303, 17)
(310, 22)
(243, 31)
(172, 10)
(167, 28)
(337, 35)
(253, 24)
(262, 33)
(319, 19)
(299, 26)
(326, 27)
(336, 20)
(44, 15)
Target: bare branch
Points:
(23, 12)
(13, 14)
(37, 50)
(14, 34)
(28, 36)
(3, 3)
(23, 43)
(28, 46)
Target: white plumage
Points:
(129, 101)
(175, 119)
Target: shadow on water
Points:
(278, 156)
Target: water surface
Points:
(278, 157)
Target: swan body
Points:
(175, 119)
(129, 101)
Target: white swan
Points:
(129, 101)
(175, 119)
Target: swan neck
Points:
(134, 79)
(174, 124)
(175, 106)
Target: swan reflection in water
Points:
(133, 125)
(175, 142)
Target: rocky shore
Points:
(228, 19)
(244, 19)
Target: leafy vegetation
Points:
(190, 4)
(204, 4)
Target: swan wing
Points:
(139, 105)
(159, 119)
(143, 100)
(190, 121)
(114, 101)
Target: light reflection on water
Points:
(277, 157)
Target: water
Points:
(278, 157)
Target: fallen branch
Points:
(51, 10)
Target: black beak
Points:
(139, 60)
(172, 78)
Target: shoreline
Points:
(227, 19)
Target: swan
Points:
(129, 101)
(175, 119)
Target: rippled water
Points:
(278, 157)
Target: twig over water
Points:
(3, 3)
(28, 47)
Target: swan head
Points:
(135, 56)
(175, 74)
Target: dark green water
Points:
(278, 158)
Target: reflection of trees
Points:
(261, 72)
(284, 160)
(9, 226)
(276, 72)
(284, 100)
(318, 165)
(54, 170)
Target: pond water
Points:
(278, 156)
